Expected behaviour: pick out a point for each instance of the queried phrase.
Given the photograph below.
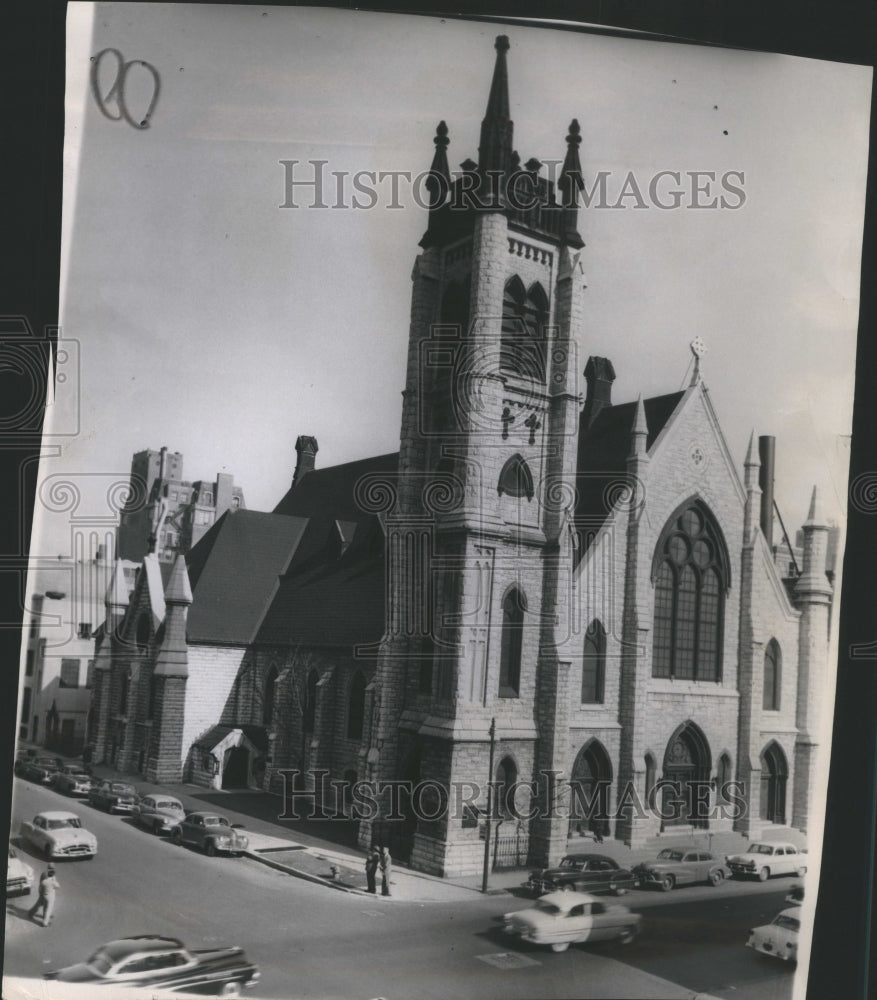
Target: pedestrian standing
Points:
(386, 871)
(372, 862)
(45, 896)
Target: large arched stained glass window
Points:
(691, 575)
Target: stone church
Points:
(584, 592)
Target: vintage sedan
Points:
(563, 918)
(674, 867)
(39, 769)
(72, 779)
(114, 796)
(212, 833)
(762, 860)
(59, 834)
(19, 875)
(779, 938)
(584, 872)
(159, 813)
(164, 964)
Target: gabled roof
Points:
(234, 571)
(331, 599)
(216, 734)
(331, 492)
(602, 456)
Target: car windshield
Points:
(787, 922)
(670, 856)
(215, 821)
(119, 789)
(548, 907)
(45, 762)
(59, 824)
(168, 804)
(759, 849)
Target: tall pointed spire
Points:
(438, 183)
(815, 516)
(570, 183)
(639, 434)
(495, 147)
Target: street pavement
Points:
(310, 941)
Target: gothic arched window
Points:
(594, 664)
(524, 318)
(691, 574)
(506, 778)
(310, 707)
(772, 677)
(356, 706)
(513, 607)
(516, 479)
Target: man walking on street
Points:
(46, 896)
(371, 868)
(386, 870)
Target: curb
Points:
(305, 876)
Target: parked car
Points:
(72, 779)
(210, 832)
(159, 813)
(674, 867)
(585, 872)
(164, 964)
(114, 796)
(796, 894)
(765, 859)
(59, 834)
(40, 769)
(19, 875)
(779, 938)
(22, 756)
(562, 918)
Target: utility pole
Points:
(492, 732)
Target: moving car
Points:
(19, 875)
(58, 834)
(40, 769)
(674, 866)
(72, 779)
(765, 859)
(164, 964)
(779, 938)
(585, 872)
(114, 796)
(210, 832)
(159, 813)
(562, 918)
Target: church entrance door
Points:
(687, 771)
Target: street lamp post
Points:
(492, 732)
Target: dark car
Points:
(682, 866)
(164, 964)
(583, 872)
(211, 832)
(72, 779)
(40, 769)
(114, 796)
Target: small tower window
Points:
(772, 677)
(594, 664)
(356, 707)
(524, 318)
(268, 697)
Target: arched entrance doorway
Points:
(774, 775)
(687, 764)
(236, 767)
(590, 787)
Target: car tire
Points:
(668, 883)
(627, 935)
(210, 849)
(177, 836)
(716, 876)
(230, 990)
(560, 946)
(617, 890)
(156, 828)
(801, 872)
(764, 875)
(567, 887)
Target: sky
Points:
(203, 316)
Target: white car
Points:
(779, 938)
(764, 859)
(19, 875)
(561, 918)
(59, 834)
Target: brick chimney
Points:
(306, 449)
(599, 375)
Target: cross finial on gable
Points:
(698, 350)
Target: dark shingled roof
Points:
(602, 458)
(234, 570)
(330, 492)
